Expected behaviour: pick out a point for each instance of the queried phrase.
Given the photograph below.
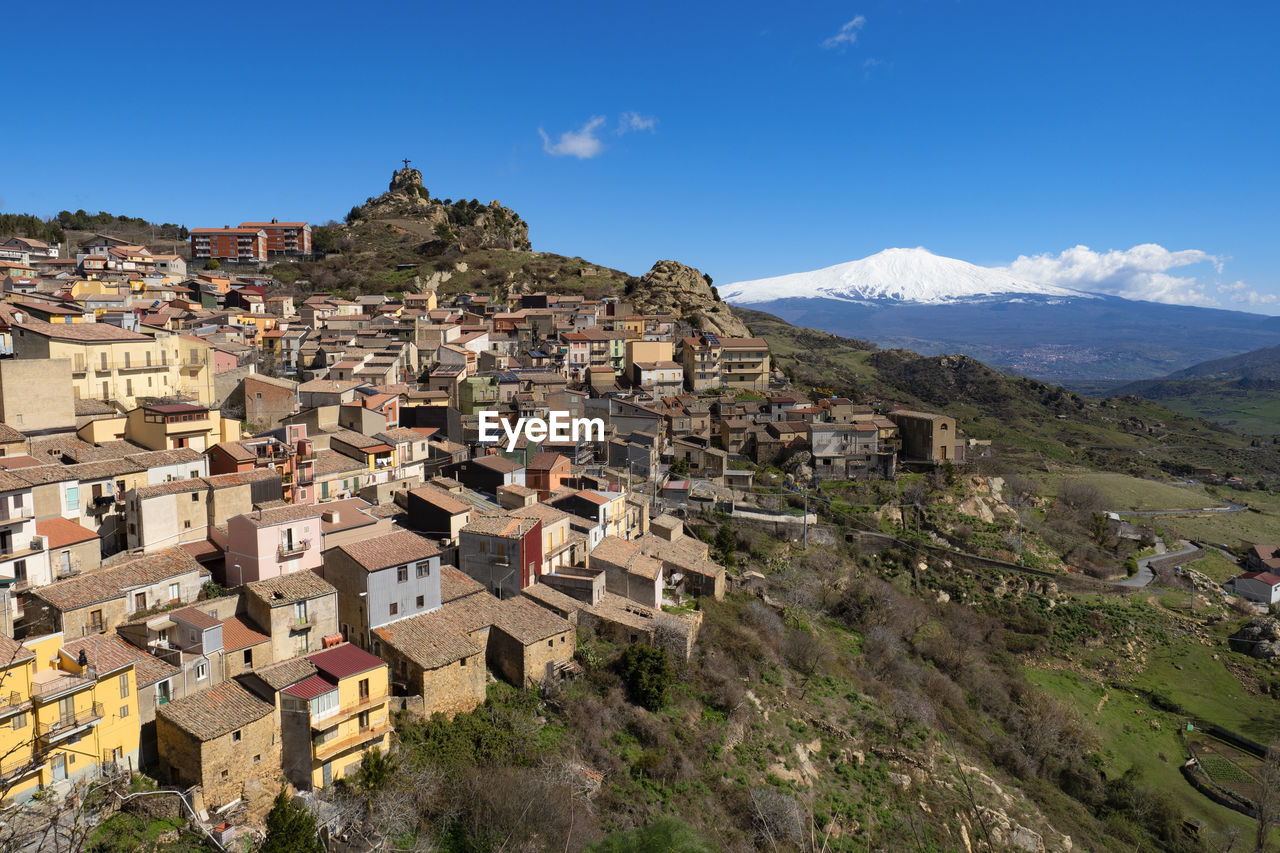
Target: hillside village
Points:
(243, 529)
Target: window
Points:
(95, 620)
(73, 497)
(422, 601)
(235, 736)
(195, 496)
(248, 658)
(140, 601)
(462, 662)
(395, 608)
(124, 685)
(402, 574)
(186, 525)
(324, 705)
(424, 570)
(202, 671)
(194, 474)
(364, 689)
(224, 774)
(124, 711)
(550, 643)
(257, 758)
(363, 719)
(300, 611)
(174, 592)
(20, 721)
(20, 570)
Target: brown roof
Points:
(106, 652)
(499, 524)
(440, 499)
(235, 450)
(148, 669)
(394, 549)
(238, 633)
(77, 592)
(526, 622)
(435, 639)
(11, 651)
(215, 712)
(282, 514)
(241, 478)
(196, 618)
(286, 589)
(282, 674)
(173, 487)
(90, 332)
(455, 584)
(61, 532)
(622, 553)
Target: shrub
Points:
(648, 674)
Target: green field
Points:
(1216, 566)
(1122, 724)
(1252, 412)
(1237, 528)
(1123, 492)
(1185, 673)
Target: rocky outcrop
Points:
(408, 206)
(1259, 639)
(673, 288)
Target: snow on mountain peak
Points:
(896, 275)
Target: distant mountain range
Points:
(1241, 391)
(914, 299)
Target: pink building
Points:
(268, 543)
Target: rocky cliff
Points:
(408, 206)
(671, 287)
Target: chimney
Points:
(82, 659)
(331, 516)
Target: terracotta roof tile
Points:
(215, 712)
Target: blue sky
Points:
(747, 140)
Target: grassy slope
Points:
(1028, 418)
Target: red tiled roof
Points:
(238, 634)
(310, 688)
(344, 661)
(61, 532)
(1264, 577)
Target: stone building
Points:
(219, 739)
(297, 610)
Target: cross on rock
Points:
(406, 162)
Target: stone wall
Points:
(220, 766)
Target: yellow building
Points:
(114, 364)
(69, 711)
(330, 719)
(169, 426)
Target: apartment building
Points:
(284, 238)
(229, 244)
(68, 712)
(711, 361)
(114, 364)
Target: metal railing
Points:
(293, 549)
(69, 722)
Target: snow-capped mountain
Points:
(895, 275)
(914, 299)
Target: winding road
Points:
(1144, 575)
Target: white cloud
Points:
(581, 143)
(633, 121)
(1138, 273)
(872, 62)
(848, 33)
(1241, 294)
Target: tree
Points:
(648, 674)
(1267, 801)
(725, 544)
(212, 264)
(291, 828)
(680, 467)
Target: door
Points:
(326, 774)
(67, 710)
(66, 563)
(59, 767)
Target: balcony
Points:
(325, 751)
(366, 704)
(16, 768)
(69, 724)
(292, 549)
